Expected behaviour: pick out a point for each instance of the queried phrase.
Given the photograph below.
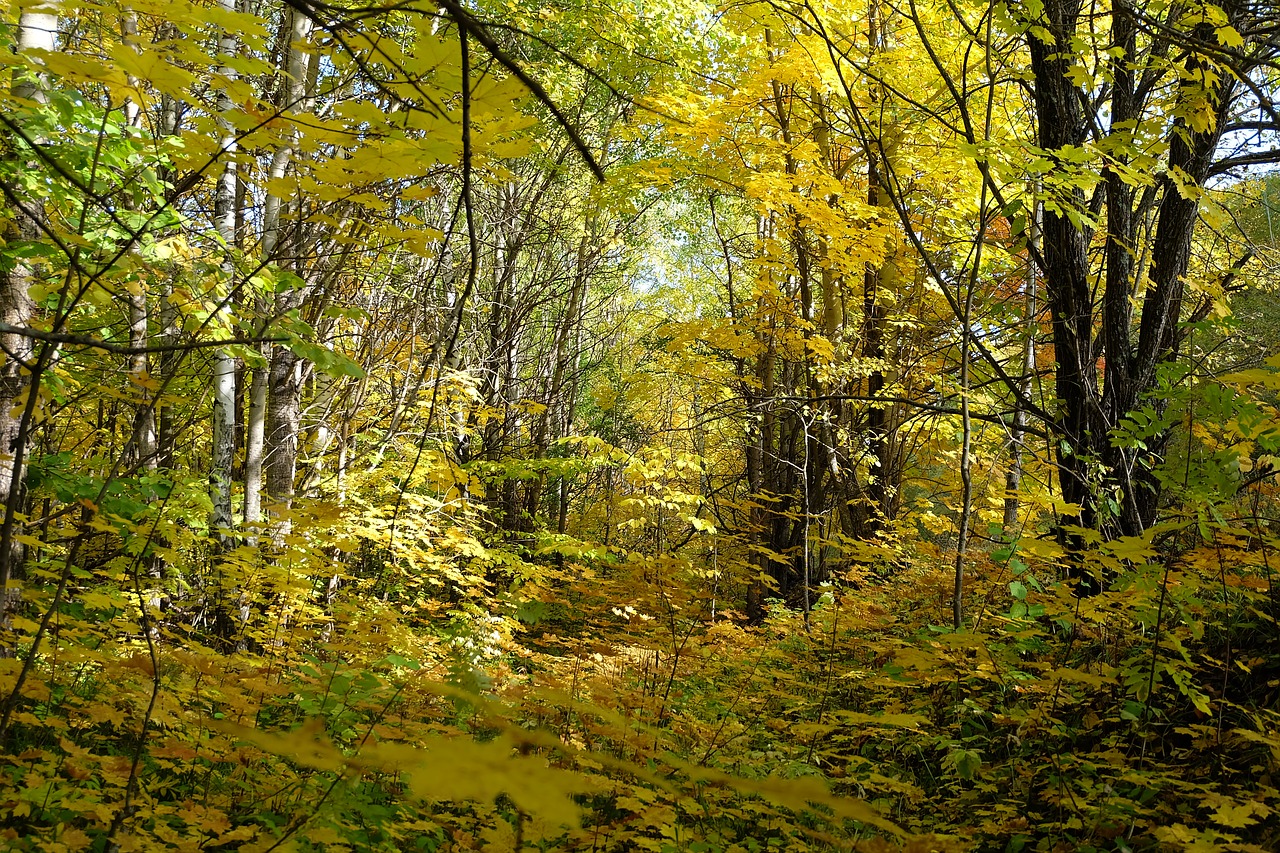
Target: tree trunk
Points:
(1110, 484)
(36, 30)
(255, 432)
(167, 428)
(279, 408)
(283, 414)
(224, 367)
(142, 444)
(1018, 430)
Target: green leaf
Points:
(967, 762)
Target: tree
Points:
(36, 30)
(1132, 122)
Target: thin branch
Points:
(905, 401)
(98, 344)
(476, 30)
(1256, 158)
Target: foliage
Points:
(634, 515)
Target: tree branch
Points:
(105, 346)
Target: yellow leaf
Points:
(303, 746)
(1229, 36)
(155, 68)
(460, 768)
(1236, 815)
(904, 721)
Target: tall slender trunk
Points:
(878, 281)
(143, 441)
(167, 316)
(564, 368)
(283, 416)
(166, 429)
(224, 365)
(570, 405)
(36, 30)
(1018, 430)
(276, 397)
(876, 424)
(255, 432)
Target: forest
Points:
(672, 425)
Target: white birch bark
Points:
(224, 399)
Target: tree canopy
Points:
(658, 425)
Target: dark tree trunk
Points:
(1103, 373)
(284, 396)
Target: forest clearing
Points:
(658, 425)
